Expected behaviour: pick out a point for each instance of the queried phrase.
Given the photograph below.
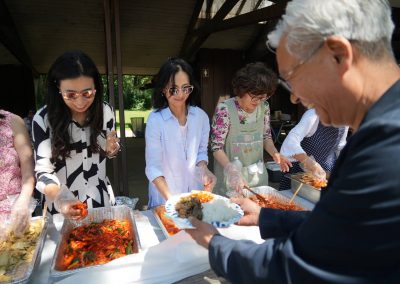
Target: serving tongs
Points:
(259, 196)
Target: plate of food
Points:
(208, 207)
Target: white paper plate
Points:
(184, 223)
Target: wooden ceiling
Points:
(151, 30)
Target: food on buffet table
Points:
(191, 205)
(274, 202)
(18, 251)
(220, 210)
(167, 222)
(314, 182)
(97, 243)
(83, 208)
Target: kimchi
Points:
(97, 243)
(273, 202)
(311, 180)
(169, 225)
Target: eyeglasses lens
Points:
(185, 90)
(74, 95)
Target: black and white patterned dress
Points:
(84, 172)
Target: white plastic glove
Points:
(112, 144)
(21, 212)
(206, 177)
(309, 165)
(234, 177)
(64, 203)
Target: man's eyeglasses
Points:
(186, 90)
(259, 98)
(284, 82)
(73, 95)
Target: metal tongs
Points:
(259, 196)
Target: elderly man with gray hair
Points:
(335, 56)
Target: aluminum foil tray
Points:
(97, 215)
(270, 191)
(23, 273)
(160, 223)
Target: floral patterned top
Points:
(10, 172)
(221, 123)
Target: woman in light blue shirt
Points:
(176, 135)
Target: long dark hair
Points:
(256, 79)
(72, 65)
(166, 74)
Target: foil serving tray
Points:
(97, 215)
(23, 273)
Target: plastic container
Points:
(125, 200)
(238, 164)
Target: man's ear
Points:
(341, 50)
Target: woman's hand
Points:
(282, 161)
(20, 215)
(234, 177)
(205, 176)
(112, 144)
(251, 211)
(309, 165)
(67, 204)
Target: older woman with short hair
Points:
(241, 128)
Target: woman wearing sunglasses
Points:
(241, 128)
(73, 134)
(176, 135)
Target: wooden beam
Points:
(123, 170)
(209, 4)
(201, 38)
(264, 14)
(11, 40)
(239, 10)
(110, 79)
(258, 4)
(192, 23)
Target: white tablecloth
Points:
(167, 261)
(159, 260)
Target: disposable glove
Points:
(112, 144)
(67, 204)
(206, 177)
(234, 177)
(309, 165)
(21, 212)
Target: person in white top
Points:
(176, 135)
(312, 147)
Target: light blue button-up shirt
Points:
(165, 151)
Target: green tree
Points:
(136, 91)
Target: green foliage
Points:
(136, 94)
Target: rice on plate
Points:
(218, 210)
